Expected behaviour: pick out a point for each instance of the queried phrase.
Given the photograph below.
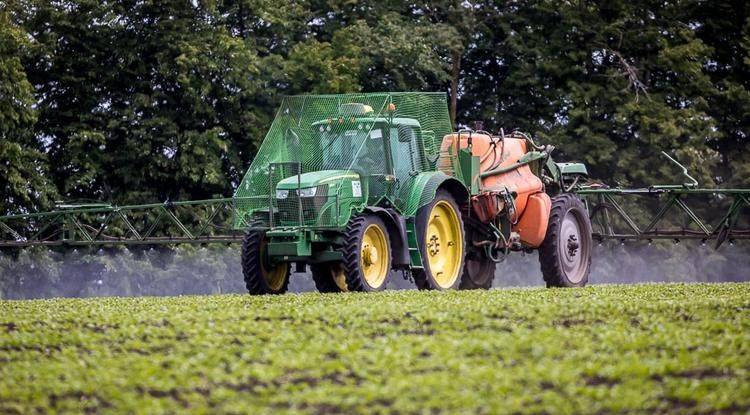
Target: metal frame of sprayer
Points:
(214, 220)
(606, 210)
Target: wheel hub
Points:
(434, 245)
(369, 255)
(571, 248)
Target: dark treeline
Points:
(141, 101)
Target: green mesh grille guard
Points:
(344, 139)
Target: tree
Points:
(23, 182)
(724, 27)
(601, 81)
(141, 101)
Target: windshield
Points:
(357, 148)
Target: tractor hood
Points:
(316, 178)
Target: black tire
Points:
(352, 252)
(323, 276)
(565, 254)
(423, 278)
(479, 271)
(254, 266)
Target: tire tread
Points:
(251, 264)
(549, 254)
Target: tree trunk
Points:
(241, 18)
(455, 72)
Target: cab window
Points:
(404, 150)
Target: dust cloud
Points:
(42, 273)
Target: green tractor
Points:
(358, 186)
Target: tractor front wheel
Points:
(367, 254)
(440, 235)
(260, 276)
(329, 277)
(565, 254)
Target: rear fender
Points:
(569, 170)
(425, 186)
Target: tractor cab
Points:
(371, 145)
(358, 157)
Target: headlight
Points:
(282, 193)
(308, 192)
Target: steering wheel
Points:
(369, 164)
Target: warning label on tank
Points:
(356, 188)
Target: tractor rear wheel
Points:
(367, 254)
(260, 276)
(329, 277)
(565, 254)
(440, 236)
(479, 271)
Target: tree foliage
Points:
(23, 180)
(134, 101)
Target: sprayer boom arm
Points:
(674, 218)
(194, 222)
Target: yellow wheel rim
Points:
(339, 277)
(374, 256)
(444, 244)
(276, 276)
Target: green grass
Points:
(646, 348)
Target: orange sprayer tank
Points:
(495, 153)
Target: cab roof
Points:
(409, 122)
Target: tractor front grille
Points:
(287, 211)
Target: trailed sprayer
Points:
(359, 186)
(362, 187)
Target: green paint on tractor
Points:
(359, 185)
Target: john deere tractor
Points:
(360, 186)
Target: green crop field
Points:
(646, 348)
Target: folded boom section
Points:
(668, 212)
(198, 222)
